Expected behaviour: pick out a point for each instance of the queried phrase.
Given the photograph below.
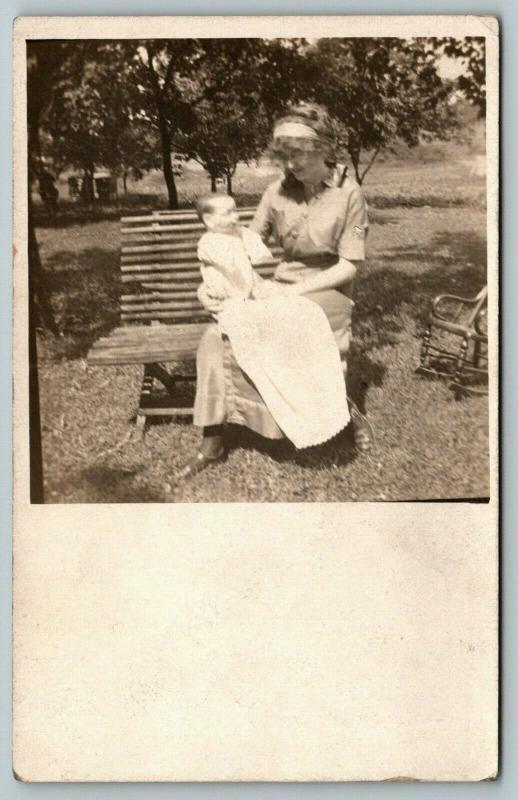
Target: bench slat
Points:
(159, 296)
(157, 218)
(144, 276)
(164, 263)
(154, 229)
(166, 305)
(180, 257)
(161, 248)
(142, 334)
(163, 287)
(181, 214)
(140, 266)
(153, 240)
(168, 272)
(122, 355)
(157, 315)
(165, 212)
(137, 344)
(165, 228)
(184, 264)
(174, 276)
(182, 279)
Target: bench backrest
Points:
(160, 269)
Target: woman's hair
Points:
(315, 117)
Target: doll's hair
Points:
(205, 204)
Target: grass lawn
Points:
(428, 236)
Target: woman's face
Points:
(307, 165)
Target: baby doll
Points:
(227, 250)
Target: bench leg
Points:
(145, 394)
(140, 427)
(161, 374)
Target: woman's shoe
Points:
(198, 463)
(362, 429)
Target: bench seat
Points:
(147, 344)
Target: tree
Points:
(139, 151)
(238, 87)
(381, 90)
(158, 67)
(471, 52)
(210, 99)
(92, 120)
(44, 60)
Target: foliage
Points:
(239, 86)
(382, 90)
(92, 119)
(45, 61)
(127, 105)
(471, 53)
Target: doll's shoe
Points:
(198, 463)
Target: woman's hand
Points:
(340, 274)
(211, 299)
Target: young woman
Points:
(319, 217)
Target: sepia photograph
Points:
(258, 269)
(255, 297)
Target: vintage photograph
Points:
(255, 297)
(258, 269)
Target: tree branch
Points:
(168, 75)
(371, 162)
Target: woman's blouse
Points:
(313, 233)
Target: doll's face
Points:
(223, 216)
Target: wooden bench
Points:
(162, 320)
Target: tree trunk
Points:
(167, 162)
(39, 297)
(355, 159)
(87, 184)
(163, 128)
(40, 294)
(125, 181)
(38, 307)
(35, 452)
(229, 184)
(371, 162)
(213, 184)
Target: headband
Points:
(295, 130)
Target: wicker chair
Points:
(465, 365)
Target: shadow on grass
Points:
(384, 289)
(116, 486)
(336, 452)
(85, 293)
(73, 213)
(403, 200)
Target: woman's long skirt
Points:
(225, 394)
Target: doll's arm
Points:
(216, 283)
